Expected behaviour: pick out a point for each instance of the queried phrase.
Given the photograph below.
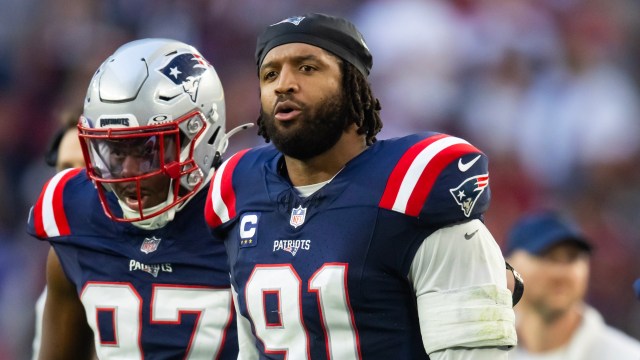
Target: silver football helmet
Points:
(157, 104)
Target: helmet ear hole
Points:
(213, 137)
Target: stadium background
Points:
(547, 88)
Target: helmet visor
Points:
(125, 154)
(117, 159)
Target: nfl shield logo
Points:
(150, 245)
(297, 216)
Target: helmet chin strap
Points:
(224, 142)
(155, 222)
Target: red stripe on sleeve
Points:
(432, 172)
(210, 216)
(227, 193)
(58, 203)
(226, 185)
(397, 175)
(37, 214)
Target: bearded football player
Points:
(345, 247)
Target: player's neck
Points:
(538, 334)
(326, 165)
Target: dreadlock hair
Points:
(363, 109)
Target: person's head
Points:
(64, 149)
(154, 116)
(313, 84)
(552, 255)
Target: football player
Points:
(64, 152)
(344, 247)
(133, 267)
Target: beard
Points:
(551, 310)
(313, 133)
(548, 314)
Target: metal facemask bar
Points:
(117, 156)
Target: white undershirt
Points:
(308, 190)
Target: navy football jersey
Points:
(147, 294)
(326, 276)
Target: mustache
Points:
(286, 100)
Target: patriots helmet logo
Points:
(295, 20)
(186, 70)
(467, 193)
(293, 250)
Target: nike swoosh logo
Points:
(469, 236)
(464, 167)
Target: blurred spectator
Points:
(64, 150)
(507, 43)
(552, 319)
(418, 54)
(580, 115)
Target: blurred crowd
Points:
(547, 88)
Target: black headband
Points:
(336, 35)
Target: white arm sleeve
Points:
(464, 305)
(246, 340)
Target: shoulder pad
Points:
(221, 200)
(47, 217)
(440, 179)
